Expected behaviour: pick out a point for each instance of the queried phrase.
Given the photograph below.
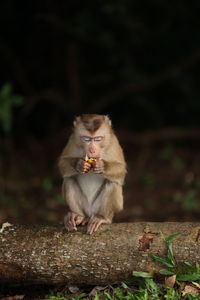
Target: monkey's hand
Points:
(94, 223)
(83, 166)
(71, 220)
(98, 166)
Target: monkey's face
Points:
(92, 145)
(92, 134)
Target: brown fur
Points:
(109, 199)
(92, 122)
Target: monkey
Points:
(93, 168)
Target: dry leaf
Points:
(145, 240)
(4, 225)
(96, 289)
(170, 281)
(73, 289)
(189, 289)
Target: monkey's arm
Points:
(70, 166)
(70, 162)
(67, 165)
(114, 171)
(114, 165)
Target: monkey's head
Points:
(92, 133)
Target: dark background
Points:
(138, 62)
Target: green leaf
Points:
(169, 239)
(8, 101)
(118, 293)
(196, 284)
(142, 274)
(96, 297)
(170, 257)
(124, 285)
(6, 90)
(188, 277)
(151, 285)
(187, 266)
(198, 268)
(166, 272)
(107, 296)
(162, 261)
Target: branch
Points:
(49, 254)
(163, 134)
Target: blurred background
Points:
(138, 62)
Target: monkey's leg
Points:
(74, 199)
(95, 222)
(109, 201)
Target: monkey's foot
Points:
(71, 220)
(94, 223)
(84, 221)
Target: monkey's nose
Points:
(92, 150)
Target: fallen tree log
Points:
(50, 255)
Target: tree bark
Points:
(50, 255)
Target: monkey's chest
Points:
(90, 185)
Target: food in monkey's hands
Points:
(90, 160)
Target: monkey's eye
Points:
(98, 138)
(86, 138)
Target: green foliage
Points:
(172, 294)
(178, 163)
(58, 198)
(148, 180)
(142, 274)
(145, 287)
(186, 272)
(169, 262)
(8, 100)
(62, 296)
(149, 291)
(189, 200)
(47, 185)
(166, 154)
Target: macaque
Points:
(93, 168)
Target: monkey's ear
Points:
(108, 120)
(76, 120)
